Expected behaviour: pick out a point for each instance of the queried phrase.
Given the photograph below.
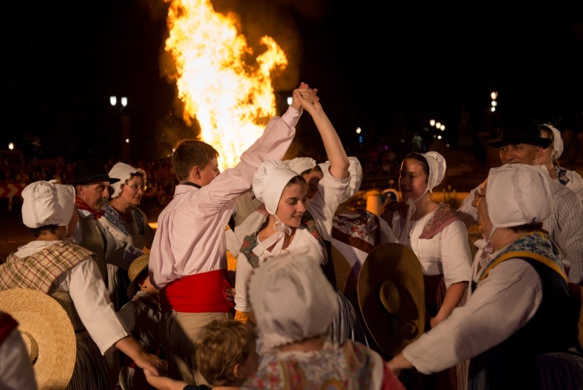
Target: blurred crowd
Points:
(161, 178)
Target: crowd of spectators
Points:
(161, 178)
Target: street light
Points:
(125, 125)
(359, 131)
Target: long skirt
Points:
(91, 372)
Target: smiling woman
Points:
(123, 216)
(438, 239)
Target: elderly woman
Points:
(123, 217)
(69, 273)
(518, 326)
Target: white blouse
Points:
(302, 242)
(447, 253)
(87, 289)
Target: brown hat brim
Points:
(392, 276)
(139, 265)
(46, 328)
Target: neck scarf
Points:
(81, 205)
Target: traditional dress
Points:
(188, 258)
(347, 366)
(141, 316)
(440, 241)
(69, 273)
(135, 230)
(517, 326)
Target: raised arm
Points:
(334, 149)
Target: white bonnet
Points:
(47, 203)
(292, 299)
(437, 167)
(269, 182)
(518, 194)
(355, 177)
(557, 141)
(301, 164)
(123, 172)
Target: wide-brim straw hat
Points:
(136, 268)
(341, 270)
(47, 333)
(391, 296)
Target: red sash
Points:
(200, 293)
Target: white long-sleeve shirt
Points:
(87, 289)
(502, 304)
(191, 229)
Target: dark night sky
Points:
(375, 68)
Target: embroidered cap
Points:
(518, 194)
(437, 168)
(47, 203)
(123, 172)
(269, 182)
(292, 299)
(301, 164)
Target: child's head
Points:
(190, 153)
(139, 278)
(226, 352)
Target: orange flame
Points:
(219, 82)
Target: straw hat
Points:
(342, 270)
(391, 296)
(47, 333)
(135, 269)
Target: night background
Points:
(384, 68)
